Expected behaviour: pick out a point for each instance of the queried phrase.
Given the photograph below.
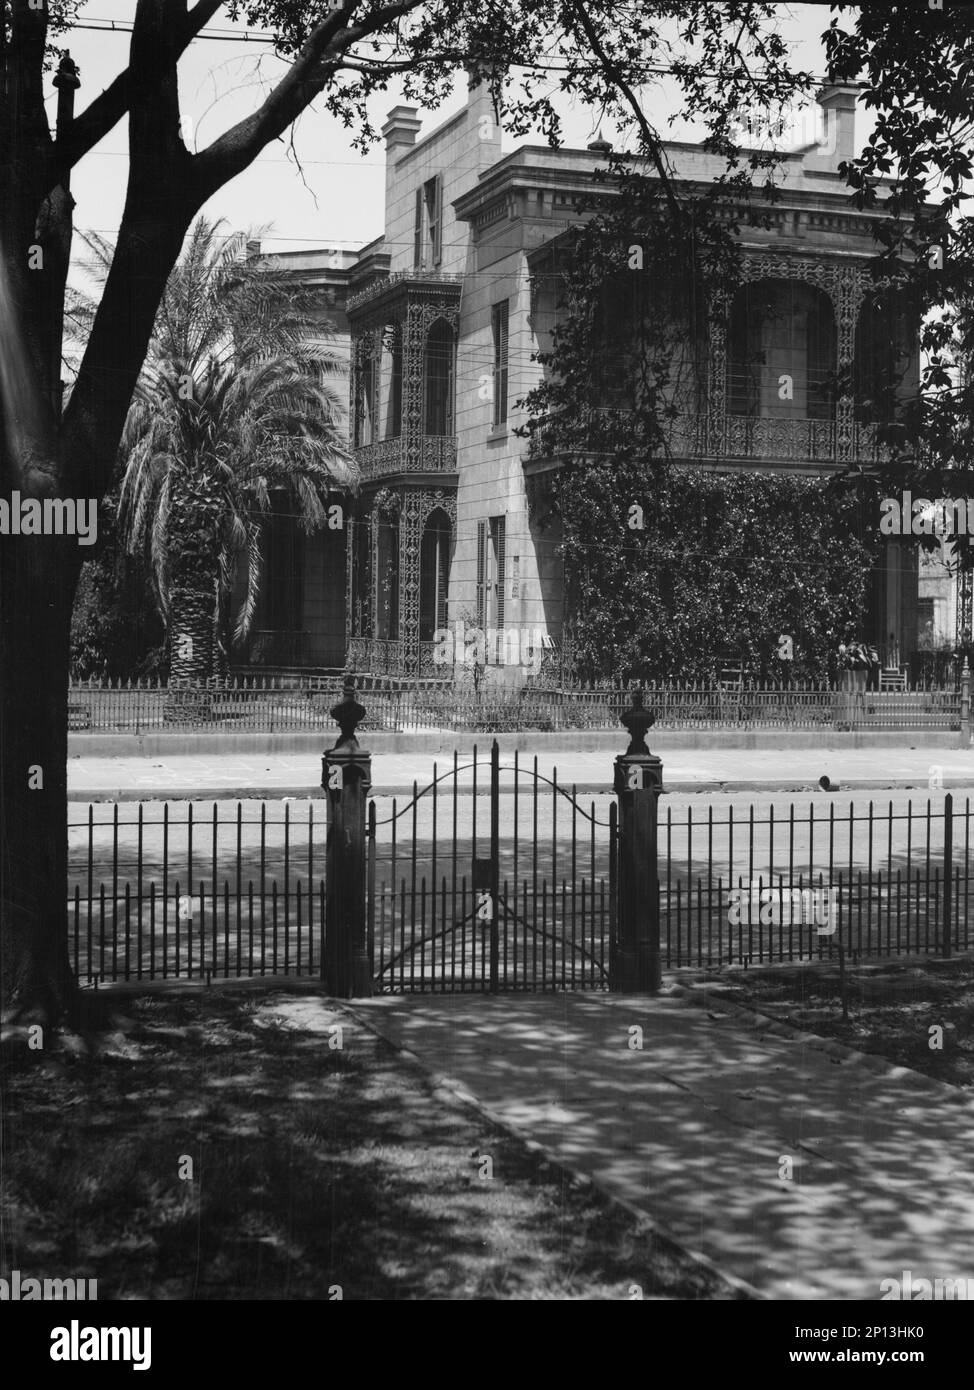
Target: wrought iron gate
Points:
(492, 877)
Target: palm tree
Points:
(238, 401)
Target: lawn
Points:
(317, 1171)
(891, 1008)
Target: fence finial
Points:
(637, 720)
(348, 715)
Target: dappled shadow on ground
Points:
(917, 1014)
(223, 1146)
(703, 1126)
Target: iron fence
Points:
(237, 889)
(401, 706)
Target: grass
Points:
(892, 1007)
(314, 1169)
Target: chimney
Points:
(253, 250)
(400, 130)
(837, 139)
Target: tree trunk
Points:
(38, 575)
(191, 648)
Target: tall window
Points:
(428, 227)
(283, 580)
(885, 356)
(365, 404)
(391, 381)
(498, 324)
(438, 376)
(434, 575)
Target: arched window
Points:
(387, 596)
(438, 374)
(781, 351)
(365, 421)
(390, 381)
(434, 574)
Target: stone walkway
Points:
(701, 1127)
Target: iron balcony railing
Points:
(707, 436)
(434, 453)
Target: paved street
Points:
(235, 775)
(701, 1128)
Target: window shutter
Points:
(438, 221)
(481, 573)
(418, 231)
(500, 538)
(500, 313)
(442, 576)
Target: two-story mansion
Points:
(447, 308)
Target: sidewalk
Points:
(695, 1128)
(235, 776)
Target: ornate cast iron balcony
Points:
(732, 437)
(380, 288)
(437, 453)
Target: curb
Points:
(314, 742)
(168, 792)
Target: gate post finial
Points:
(348, 715)
(638, 721)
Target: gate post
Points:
(635, 965)
(965, 705)
(346, 776)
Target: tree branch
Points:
(28, 38)
(650, 138)
(108, 108)
(318, 60)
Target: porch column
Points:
(847, 299)
(411, 520)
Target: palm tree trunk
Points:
(192, 650)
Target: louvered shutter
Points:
(481, 573)
(418, 231)
(500, 527)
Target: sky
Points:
(338, 201)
